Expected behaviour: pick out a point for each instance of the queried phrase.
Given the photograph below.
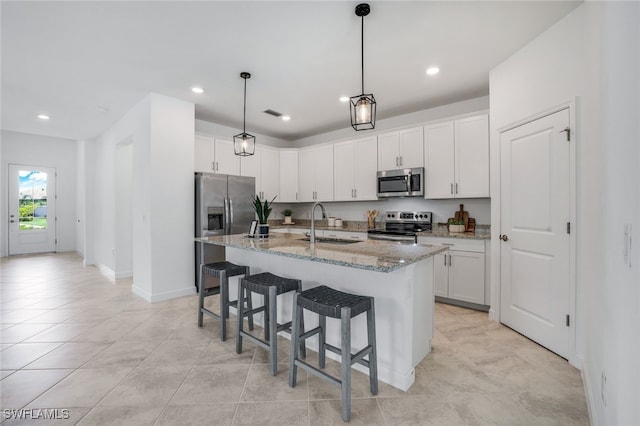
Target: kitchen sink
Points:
(332, 240)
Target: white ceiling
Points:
(66, 59)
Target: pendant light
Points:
(363, 106)
(244, 144)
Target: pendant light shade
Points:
(363, 106)
(244, 144)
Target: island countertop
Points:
(373, 255)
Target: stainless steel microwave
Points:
(401, 183)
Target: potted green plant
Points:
(287, 213)
(263, 210)
(456, 225)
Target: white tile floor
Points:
(71, 339)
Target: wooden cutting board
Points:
(462, 215)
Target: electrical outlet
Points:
(603, 389)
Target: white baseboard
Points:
(125, 274)
(153, 298)
(588, 391)
(493, 315)
(107, 272)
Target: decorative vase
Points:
(287, 219)
(263, 230)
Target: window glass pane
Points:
(33, 199)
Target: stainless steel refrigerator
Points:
(223, 207)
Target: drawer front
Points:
(344, 235)
(460, 244)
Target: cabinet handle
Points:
(296, 195)
(401, 160)
(456, 187)
(397, 164)
(449, 260)
(452, 189)
(445, 260)
(217, 166)
(355, 193)
(213, 166)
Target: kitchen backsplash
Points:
(479, 208)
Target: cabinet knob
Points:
(504, 237)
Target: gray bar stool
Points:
(222, 271)
(269, 286)
(327, 302)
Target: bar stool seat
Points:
(269, 286)
(222, 271)
(327, 302)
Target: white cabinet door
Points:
(366, 167)
(389, 151)
(250, 166)
(466, 276)
(270, 173)
(324, 173)
(306, 175)
(203, 150)
(472, 157)
(441, 275)
(411, 148)
(344, 158)
(288, 176)
(226, 161)
(439, 160)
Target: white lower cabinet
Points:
(459, 274)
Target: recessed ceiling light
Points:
(344, 99)
(433, 71)
(198, 90)
(102, 109)
(285, 118)
(43, 116)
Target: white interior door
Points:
(535, 246)
(32, 209)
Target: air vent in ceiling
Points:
(272, 112)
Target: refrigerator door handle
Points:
(230, 214)
(226, 225)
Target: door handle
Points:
(12, 221)
(504, 237)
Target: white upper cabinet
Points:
(288, 176)
(355, 167)
(439, 160)
(402, 149)
(264, 165)
(472, 157)
(315, 173)
(457, 158)
(215, 155)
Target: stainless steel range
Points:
(402, 226)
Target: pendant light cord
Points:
(244, 112)
(362, 51)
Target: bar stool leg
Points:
(295, 337)
(200, 298)
(224, 304)
(273, 329)
(322, 352)
(240, 316)
(345, 365)
(249, 302)
(373, 356)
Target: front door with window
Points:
(32, 209)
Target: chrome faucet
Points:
(312, 236)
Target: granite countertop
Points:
(442, 231)
(373, 255)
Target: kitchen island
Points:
(399, 277)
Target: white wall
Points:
(123, 163)
(593, 54)
(162, 133)
(406, 120)
(226, 132)
(35, 150)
